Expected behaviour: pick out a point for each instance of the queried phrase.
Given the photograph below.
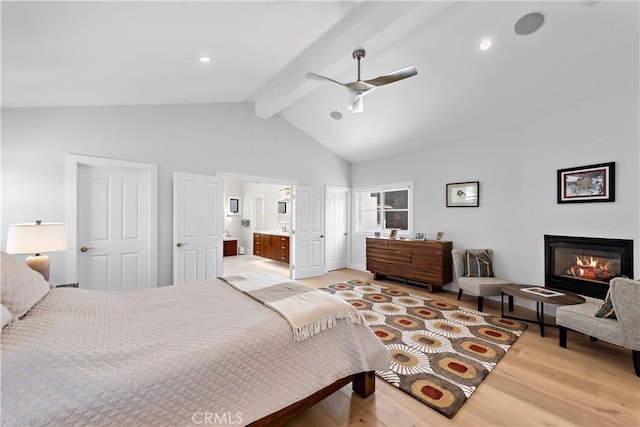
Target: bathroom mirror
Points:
(234, 205)
(284, 213)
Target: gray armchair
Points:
(478, 286)
(623, 331)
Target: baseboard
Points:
(359, 267)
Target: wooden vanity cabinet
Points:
(229, 248)
(271, 246)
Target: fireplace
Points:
(585, 265)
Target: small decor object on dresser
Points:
(463, 194)
(593, 183)
(393, 234)
(418, 236)
(440, 236)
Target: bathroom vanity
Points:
(271, 245)
(229, 246)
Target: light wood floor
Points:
(537, 383)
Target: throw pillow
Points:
(22, 287)
(477, 264)
(606, 308)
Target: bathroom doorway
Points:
(261, 214)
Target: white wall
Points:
(204, 139)
(517, 173)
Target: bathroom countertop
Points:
(273, 232)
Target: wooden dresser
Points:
(272, 246)
(425, 262)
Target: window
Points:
(383, 209)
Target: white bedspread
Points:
(167, 356)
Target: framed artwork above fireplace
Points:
(592, 183)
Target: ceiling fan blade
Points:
(394, 76)
(358, 104)
(318, 77)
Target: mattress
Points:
(167, 356)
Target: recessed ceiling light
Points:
(205, 59)
(336, 115)
(350, 107)
(485, 44)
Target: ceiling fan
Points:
(360, 88)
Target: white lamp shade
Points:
(36, 238)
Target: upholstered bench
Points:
(624, 330)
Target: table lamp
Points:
(36, 238)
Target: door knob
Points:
(86, 249)
(180, 244)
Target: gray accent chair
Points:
(478, 286)
(623, 331)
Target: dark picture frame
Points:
(587, 184)
(463, 194)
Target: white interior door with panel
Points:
(113, 228)
(197, 225)
(308, 234)
(336, 227)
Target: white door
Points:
(113, 228)
(197, 237)
(336, 227)
(308, 214)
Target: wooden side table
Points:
(567, 298)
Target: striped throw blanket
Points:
(309, 311)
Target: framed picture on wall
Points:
(593, 183)
(463, 194)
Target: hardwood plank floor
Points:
(537, 383)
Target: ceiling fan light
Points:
(205, 59)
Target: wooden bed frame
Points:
(364, 384)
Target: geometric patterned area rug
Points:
(440, 353)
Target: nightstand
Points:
(66, 285)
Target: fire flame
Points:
(590, 268)
(592, 262)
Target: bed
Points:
(192, 354)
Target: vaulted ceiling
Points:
(147, 53)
